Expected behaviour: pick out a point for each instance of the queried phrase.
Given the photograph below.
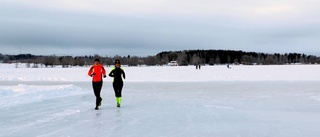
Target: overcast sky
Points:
(147, 27)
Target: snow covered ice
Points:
(245, 101)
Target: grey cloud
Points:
(41, 31)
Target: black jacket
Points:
(117, 74)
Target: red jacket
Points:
(97, 71)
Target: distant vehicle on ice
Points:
(173, 63)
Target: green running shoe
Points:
(100, 102)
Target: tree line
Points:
(212, 57)
(186, 57)
(36, 61)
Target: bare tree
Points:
(173, 56)
(79, 61)
(196, 60)
(217, 60)
(164, 61)
(67, 61)
(6, 59)
(51, 61)
(133, 61)
(182, 59)
(248, 60)
(28, 64)
(211, 61)
(229, 59)
(151, 60)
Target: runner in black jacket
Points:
(117, 73)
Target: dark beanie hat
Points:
(96, 60)
(117, 62)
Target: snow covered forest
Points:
(186, 57)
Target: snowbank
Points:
(170, 74)
(24, 94)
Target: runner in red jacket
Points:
(97, 72)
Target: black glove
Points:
(104, 76)
(93, 74)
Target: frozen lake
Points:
(179, 108)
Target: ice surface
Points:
(46, 102)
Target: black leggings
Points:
(117, 86)
(97, 90)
